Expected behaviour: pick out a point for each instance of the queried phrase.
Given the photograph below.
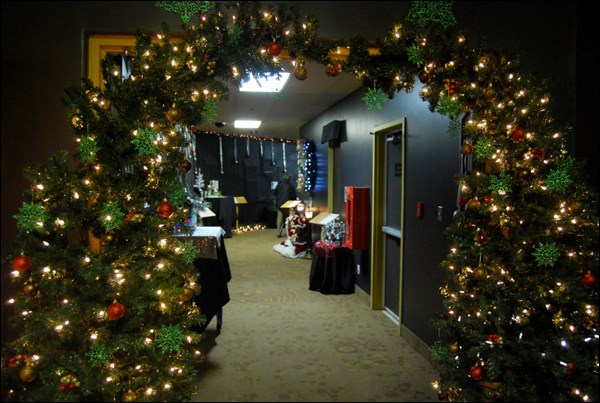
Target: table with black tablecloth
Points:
(225, 215)
(332, 269)
(213, 272)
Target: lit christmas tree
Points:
(106, 311)
(521, 296)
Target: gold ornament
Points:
(31, 289)
(130, 396)
(300, 71)
(479, 274)
(453, 348)
(149, 251)
(28, 373)
(77, 121)
(173, 115)
(466, 148)
(152, 180)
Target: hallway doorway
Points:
(387, 218)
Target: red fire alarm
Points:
(420, 209)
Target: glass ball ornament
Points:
(28, 373)
(31, 289)
(77, 121)
(22, 263)
(173, 115)
(116, 310)
(476, 373)
(165, 209)
(274, 48)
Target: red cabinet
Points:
(357, 217)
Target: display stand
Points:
(238, 200)
(323, 219)
(291, 205)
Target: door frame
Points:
(377, 257)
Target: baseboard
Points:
(412, 339)
(419, 345)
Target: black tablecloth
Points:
(224, 209)
(332, 269)
(213, 279)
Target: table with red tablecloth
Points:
(332, 269)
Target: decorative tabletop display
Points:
(297, 235)
(334, 232)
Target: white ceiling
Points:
(282, 114)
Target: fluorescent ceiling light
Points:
(272, 83)
(247, 124)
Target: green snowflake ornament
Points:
(448, 106)
(170, 339)
(30, 216)
(439, 352)
(190, 251)
(501, 183)
(186, 9)
(558, 180)
(546, 254)
(414, 55)
(374, 98)
(111, 216)
(177, 193)
(99, 356)
(145, 142)
(432, 12)
(483, 149)
(209, 110)
(88, 149)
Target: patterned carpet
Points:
(282, 342)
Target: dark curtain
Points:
(246, 171)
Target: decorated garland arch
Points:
(520, 319)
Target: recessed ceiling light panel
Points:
(247, 124)
(274, 83)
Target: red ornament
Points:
(493, 338)
(518, 134)
(589, 280)
(537, 153)
(22, 263)
(274, 48)
(116, 310)
(333, 69)
(476, 373)
(570, 368)
(165, 209)
(481, 237)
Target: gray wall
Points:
(432, 160)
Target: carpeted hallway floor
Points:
(282, 342)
